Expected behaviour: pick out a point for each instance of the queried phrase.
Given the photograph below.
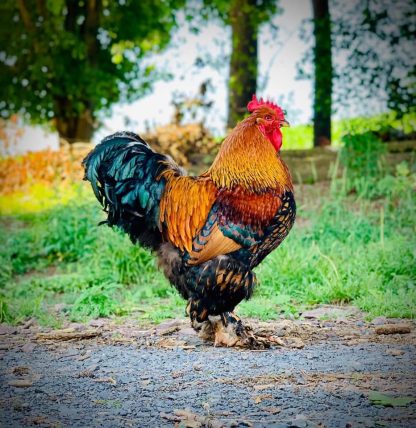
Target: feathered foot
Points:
(229, 331)
(205, 330)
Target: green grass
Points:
(348, 248)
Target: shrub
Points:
(362, 155)
(43, 167)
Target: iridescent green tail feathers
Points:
(124, 173)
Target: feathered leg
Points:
(204, 328)
(214, 289)
(230, 331)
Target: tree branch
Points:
(41, 7)
(27, 22)
(92, 23)
(25, 16)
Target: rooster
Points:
(210, 231)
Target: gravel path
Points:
(93, 383)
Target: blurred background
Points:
(180, 73)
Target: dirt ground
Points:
(331, 369)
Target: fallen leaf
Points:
(168, 331)
(262, 387)
(245, 423)
(21, 383)
(20, 370)
(395, 352)
(85, 356)
(393, 329)
(192, 420)
(259, 398)
(171, 343)
(68, 334)
(295, 342)
(272, 410)
(171, 418)
(379, 399)
(276, 340)
(29, 323)
(106, 380)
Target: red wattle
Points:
(274, 136)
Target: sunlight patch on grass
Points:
(40, 197)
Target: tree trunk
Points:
(78, 129)
(323, 74)
(73, 127)
(243, 65)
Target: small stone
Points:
(92, 368)
(28, 347)
(7, 329)
(379, 321)
(77, 326)
(100, 322)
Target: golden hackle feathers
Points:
(248, 159)
(184, 207)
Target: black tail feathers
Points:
(124, 173)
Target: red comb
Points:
(254, 104)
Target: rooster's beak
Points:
(284, 123)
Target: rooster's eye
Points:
(268, 117)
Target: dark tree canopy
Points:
(376, 41)
(373, 58)
(67, 61)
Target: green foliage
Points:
(301, 136)
(363, 157)
(4, 311)
(259, 12)
(403, 126)
(66, 60)
(379, 399)
(362, 154)
(97, 301)
(376, 42)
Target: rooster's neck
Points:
(247, 159)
